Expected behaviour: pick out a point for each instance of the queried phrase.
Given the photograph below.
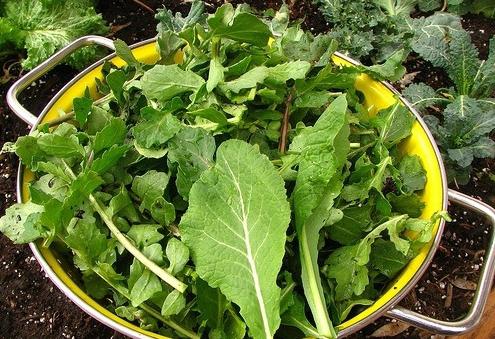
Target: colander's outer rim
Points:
(351, 329)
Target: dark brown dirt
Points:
(32, 307)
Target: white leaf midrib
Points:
(249, 255)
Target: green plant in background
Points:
(483, 7)
(375, 29)
(462, 129)
(43, 27)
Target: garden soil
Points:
(32, 307)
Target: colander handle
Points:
(472, 319)
(43, 68)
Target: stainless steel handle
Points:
(471, 320)
(43, 68)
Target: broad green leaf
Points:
(210, 113)
(21, 222)
(173, 304)
(305, 47)
(116, 80)
(169, 44)
(109, 158)
(122, 204)
(391, 69)
(212, 304)
(87, 242)
(234, 327)
(394, 124)
(235, 227)
(84, 185)
(323, 149)
(156, 128)
(125, 53)
(192, 149)
(145, 235)
(82, 108)
(386, 258)
(410, 204)
(59, 146)
(351, 277)
(162, 211)
(149, 187)
(412, 173)
(215, 75)
(163, 82)
(177, 255)
(278, 74)
(348, 264)
(243, 27)
(154, 252)
(27, 149)
(346, 307)
(296, 317)
(350, 229)
(112, 134)
(145, 287)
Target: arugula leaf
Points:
(248, 234)
(82, 108)
(412, 173)
(386, 258)
(156, 128)
(323, 149)
(145, 287)
(21, 222)
(296, 316)
(163, 82)
(192, 149)
(394, 124)
(88, 242)
(242, 27)
(177, 255)
(112, 134)
(212, 303)
(173, 304)
(352, 226)
(60, 146)
(169, 22)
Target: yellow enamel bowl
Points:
(378, 95)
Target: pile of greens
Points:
(245, 191)
(43, 27)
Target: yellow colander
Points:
(378, 95)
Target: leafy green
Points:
(326, 145)
(239, 208)
(43, 27)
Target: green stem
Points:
(148, 309)
(169, 322)
(160, 272)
